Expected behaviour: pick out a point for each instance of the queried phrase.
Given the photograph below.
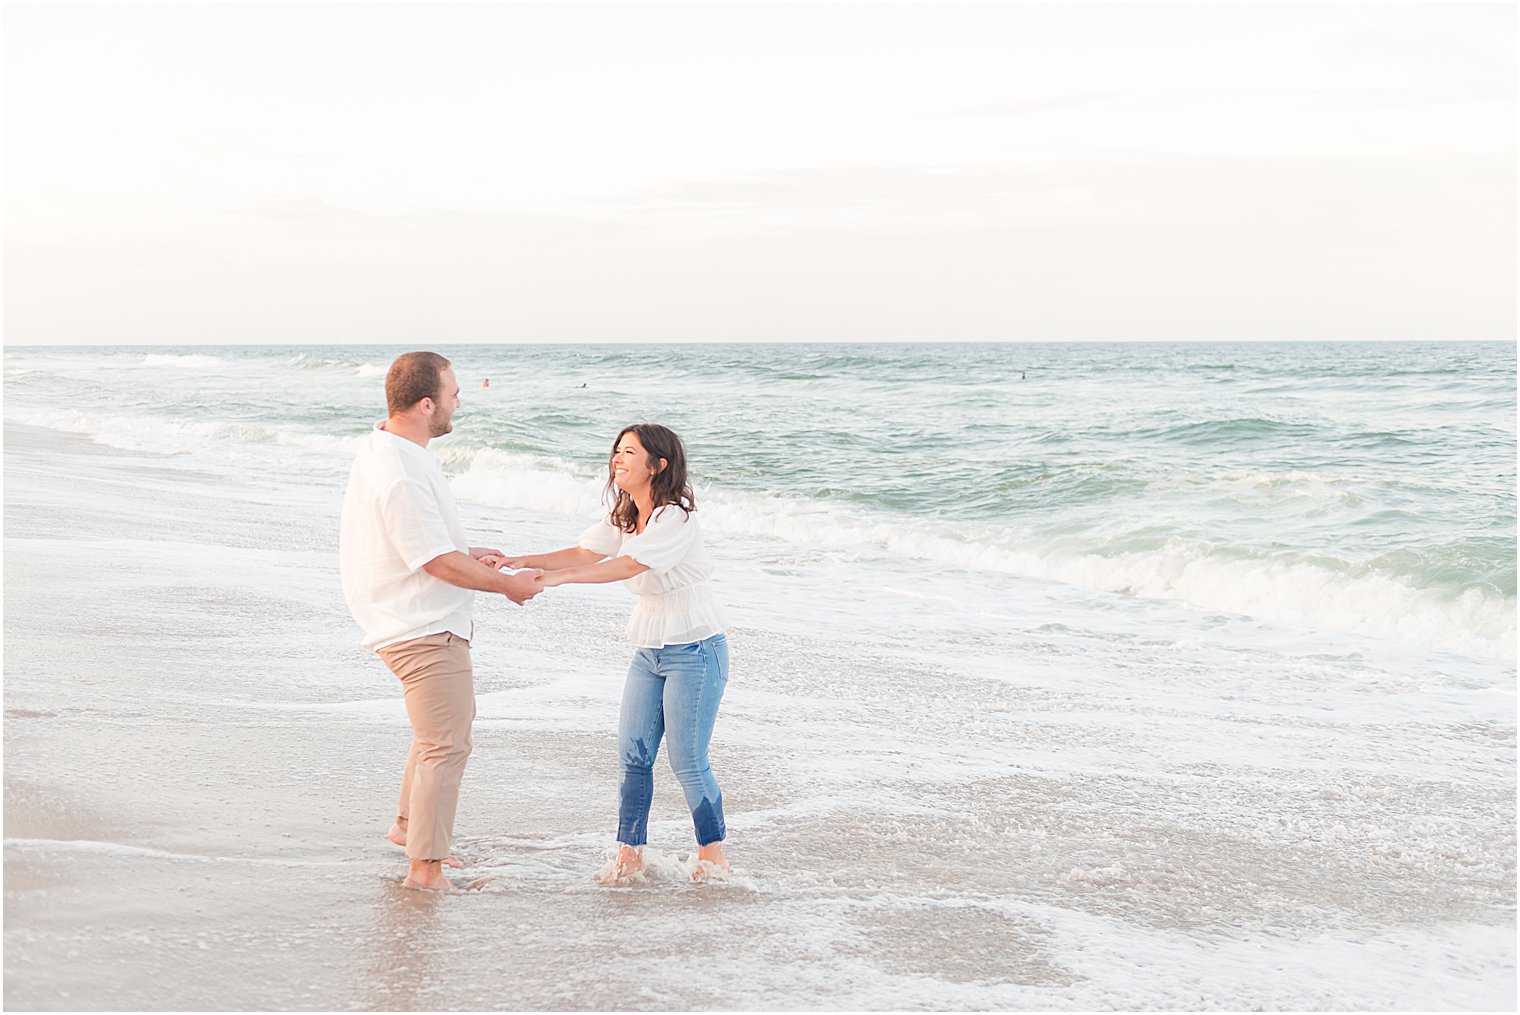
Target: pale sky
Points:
(515, 173)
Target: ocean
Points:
(1070, 676)
(1367, 489)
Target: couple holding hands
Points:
(409, 578)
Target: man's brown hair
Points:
(413, 377)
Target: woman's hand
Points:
(552, 579)
(499, 559)
(489, 557)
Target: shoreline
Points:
(200, 762)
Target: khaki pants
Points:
(439, 685)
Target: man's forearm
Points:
(466, 572)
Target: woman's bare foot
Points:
(397, 834)
(628, 865)
(713, 854)
(427, 875)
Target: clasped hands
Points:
(532, 579)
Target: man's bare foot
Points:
(712, 853)
(628, 865)
(397, 834)
(427, 875)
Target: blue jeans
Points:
(672, 692)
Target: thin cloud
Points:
(1295, 98)
(1035, 104)
(1440, 52)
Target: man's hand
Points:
(522, 586)
(465, 571)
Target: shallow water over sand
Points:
(946, 788)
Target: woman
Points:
(651, 540)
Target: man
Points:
(409, 579)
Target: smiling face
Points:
(645, 472)
(632, 471)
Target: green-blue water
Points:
(1359, 487)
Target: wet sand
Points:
(200, 765)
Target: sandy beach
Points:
(200, 766)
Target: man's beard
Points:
(438, 431)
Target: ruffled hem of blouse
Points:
(675, 618)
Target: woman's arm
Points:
(615, 570)
(570, 556)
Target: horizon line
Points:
(748, 342)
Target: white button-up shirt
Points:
(398, 514)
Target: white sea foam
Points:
(660, 866)
(307, 361)
(155, 433)
(1290, 592)
(52, 847)
(1276, 588)
(500, 479)
(193, 361)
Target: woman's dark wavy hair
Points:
(669, 485)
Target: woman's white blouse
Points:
(674, 604)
